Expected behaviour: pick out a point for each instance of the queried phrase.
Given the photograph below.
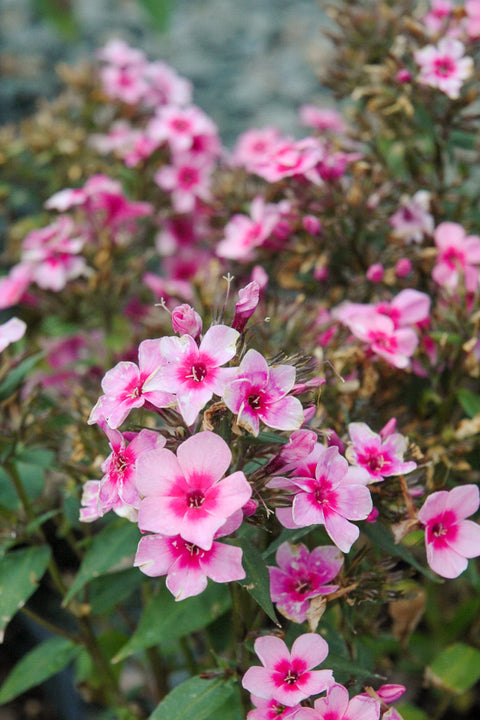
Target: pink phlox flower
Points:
(287, 677)
(271, 710)
(90, 507)
(292, 158)
(248, 298)
(169, 290)
(378, 456)
(444, 66)
(407, 308)
(472, 10)
(396, 346)
(186, 263)
(302, 575)
(188, 566)
(118, 52)
(437, 18)
(179, 232)
(260, 392)
(14, 285)
(413, 220)
(120, 137)
(337, 706)
(322, 119)
(186, 321)
(326, 491)
(185, 493)
(124, 387)
(165, 86)
(119, 468)
(187, 180)
(11, 331)
(53, 253)
(195, 373)
(243, 233)
(122, 75)
(184, 129)
(450, 539)
(458, 257)
(389, 693)
(332, 165)
(254, 147)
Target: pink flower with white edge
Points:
(450, 539)
(437, 18)
(396, 346)
(259, 392)
(187, 180)
(124, 387)
(326, 492)
(185, 493)
(271, 710)
(188, 566)
(338, 706)
(193, 372)
(290, 158)
(186, 321)
(378, 456)
(287, 677)
(11, 331)
(302, 575)
(444, 66)
(243, 233)
(458, 257)
(248, 298)
(413, 220)
(118, 482)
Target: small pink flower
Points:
(413, 220)
(271, 710)
(188, 566)
(403, 267)
(288, 677)
(375, 273)
(186, 321)
(458, 257)
(185, 494)
(337, 706)
(254, 146)
(248, 298)
(124, 387)
(378, 456)
(403, 76)
(438, 17)
(194, 373)
(259, 392)
(14, 285)
(243, 233)
(396, 346)
(11, 331)
(444, 67)
(302, 575)
(322, 119)
(450, 539)
(181, 128)
(312, 225)
(187, 179)
(165, 86)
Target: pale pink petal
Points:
(363, 708)
(223, 563)
(285, 414)
(255, 368)
(204, 454)
(156, 470)
(413, 305)
(154, 555)
(354, 502)
(342, 532)
(185, 580)
(335, 703)
(282, 378)
(445, 561)
(361, 434)
(147, 440)
(467, 539)
(152, 517)
(120, 377)
(219, 342)
(464, 500)
(258, 681)
(313, 682)
(191, 401)
(305, 511)
(248, 419)
(311, 648)
(271, 650)
(231, 494)
(434, 505)
(150, 357)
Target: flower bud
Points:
(186, 321)
(245, 307)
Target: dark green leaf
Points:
(291, 536)
(257, 580)
(107, 591)
(20, 571)
(457, 668)
(17, 375)
(469, 401)
(114, 544)
(195, 699)
(164, 619)
(41, 663)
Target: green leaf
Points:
(41, 663)
(469, 401)
(60, 14)
(257, 580)
(291, 536)
(17, 375)
(346, 669)
(456, 669)
(114, 544)
(159, 11)
(20, 571)
(383, 538)
(164, 619)
(109, 590)
(411, 712)
(195, 699)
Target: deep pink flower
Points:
(188, 566)
(302, 575)
(11, 331)
(288, 677)
(248, 298)
(450, 539)
(259, 392)
(337, 706)
(271, 710)
(326, 492)
(185, 494)
(194, 372)
(458, 257)
(445, 66)
(403, 267)
(378, 457)
(375, 273)
(124, 387)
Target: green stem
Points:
(54, 629)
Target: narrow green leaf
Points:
(382, 538)
(109, 590)
(114, 544)
(195, 699)
(469, 401)
(164, 619)
(15, 376)
(257, 580)
(41, 663)
(20, 571)
(456, 669)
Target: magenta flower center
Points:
(444, 67)
(438, 530)
(120, 462)
(303, 586)
(192, 549)
(255, 401)
(291, 677)
(195, 499)
(452, 257)
(198, 372)
(188, 177)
